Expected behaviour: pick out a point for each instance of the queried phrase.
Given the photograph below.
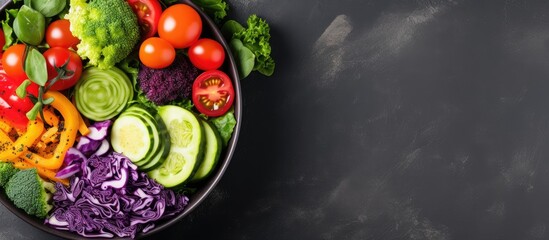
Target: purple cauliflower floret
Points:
(162, 86)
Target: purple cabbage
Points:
(109, 197)
(95, 143)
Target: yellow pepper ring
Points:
(69, 130)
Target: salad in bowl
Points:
(117, 117)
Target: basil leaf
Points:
(48, 8)
(35, 67)
(29, 25)
(244, 56)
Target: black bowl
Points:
(212, 31)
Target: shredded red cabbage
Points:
(109, 197)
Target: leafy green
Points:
(35, 67)
(29, 25)
(8, 30)
(48, 8)
(244, 56)
(256, 37)
(216, 9)
(225, 125)
(253, 41)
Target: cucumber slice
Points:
(186, 146)
(212, 151)
(160, 137)
(131, 136)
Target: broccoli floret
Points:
(7, 170)
(29, 192)
(108, 30)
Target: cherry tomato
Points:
(59, 34)
(207, 54)
(213, 93)
(56, 57)
(148, 14)
(156, 53)
(180, 25)
(12, 60)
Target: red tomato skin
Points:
(12, 61)
(58, 34)
(207, 54)
(180, 25)
(156, 53)
(57, 56)
(215, 87)
(2, 41)
(148, 14)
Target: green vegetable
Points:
(255, 37)
(48, 8)
(101, 94)
(216, 9)
(244, 56)
(108, 30)
(7, 170)
(29, 25)
(35, 67)
(225, 125)
(6, 27)
(29, 192)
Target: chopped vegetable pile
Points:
(112, 110)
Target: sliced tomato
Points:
(148, 14)
(213, 93)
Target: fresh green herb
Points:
(35, 66)
(48, 8)
(216, 9)
(231, 27)
(29, 25)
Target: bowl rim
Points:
(195, 199)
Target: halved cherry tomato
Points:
(180, 25)
(207, 54)
(213, 93)
(148, 14)
(156, 53)
(58, 34)
(12, 60)
(57, 56)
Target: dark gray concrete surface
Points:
(387, 119)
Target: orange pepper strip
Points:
(45, 173)
(50, 118)
(12, 150)
(83, 128)
(68, 133)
